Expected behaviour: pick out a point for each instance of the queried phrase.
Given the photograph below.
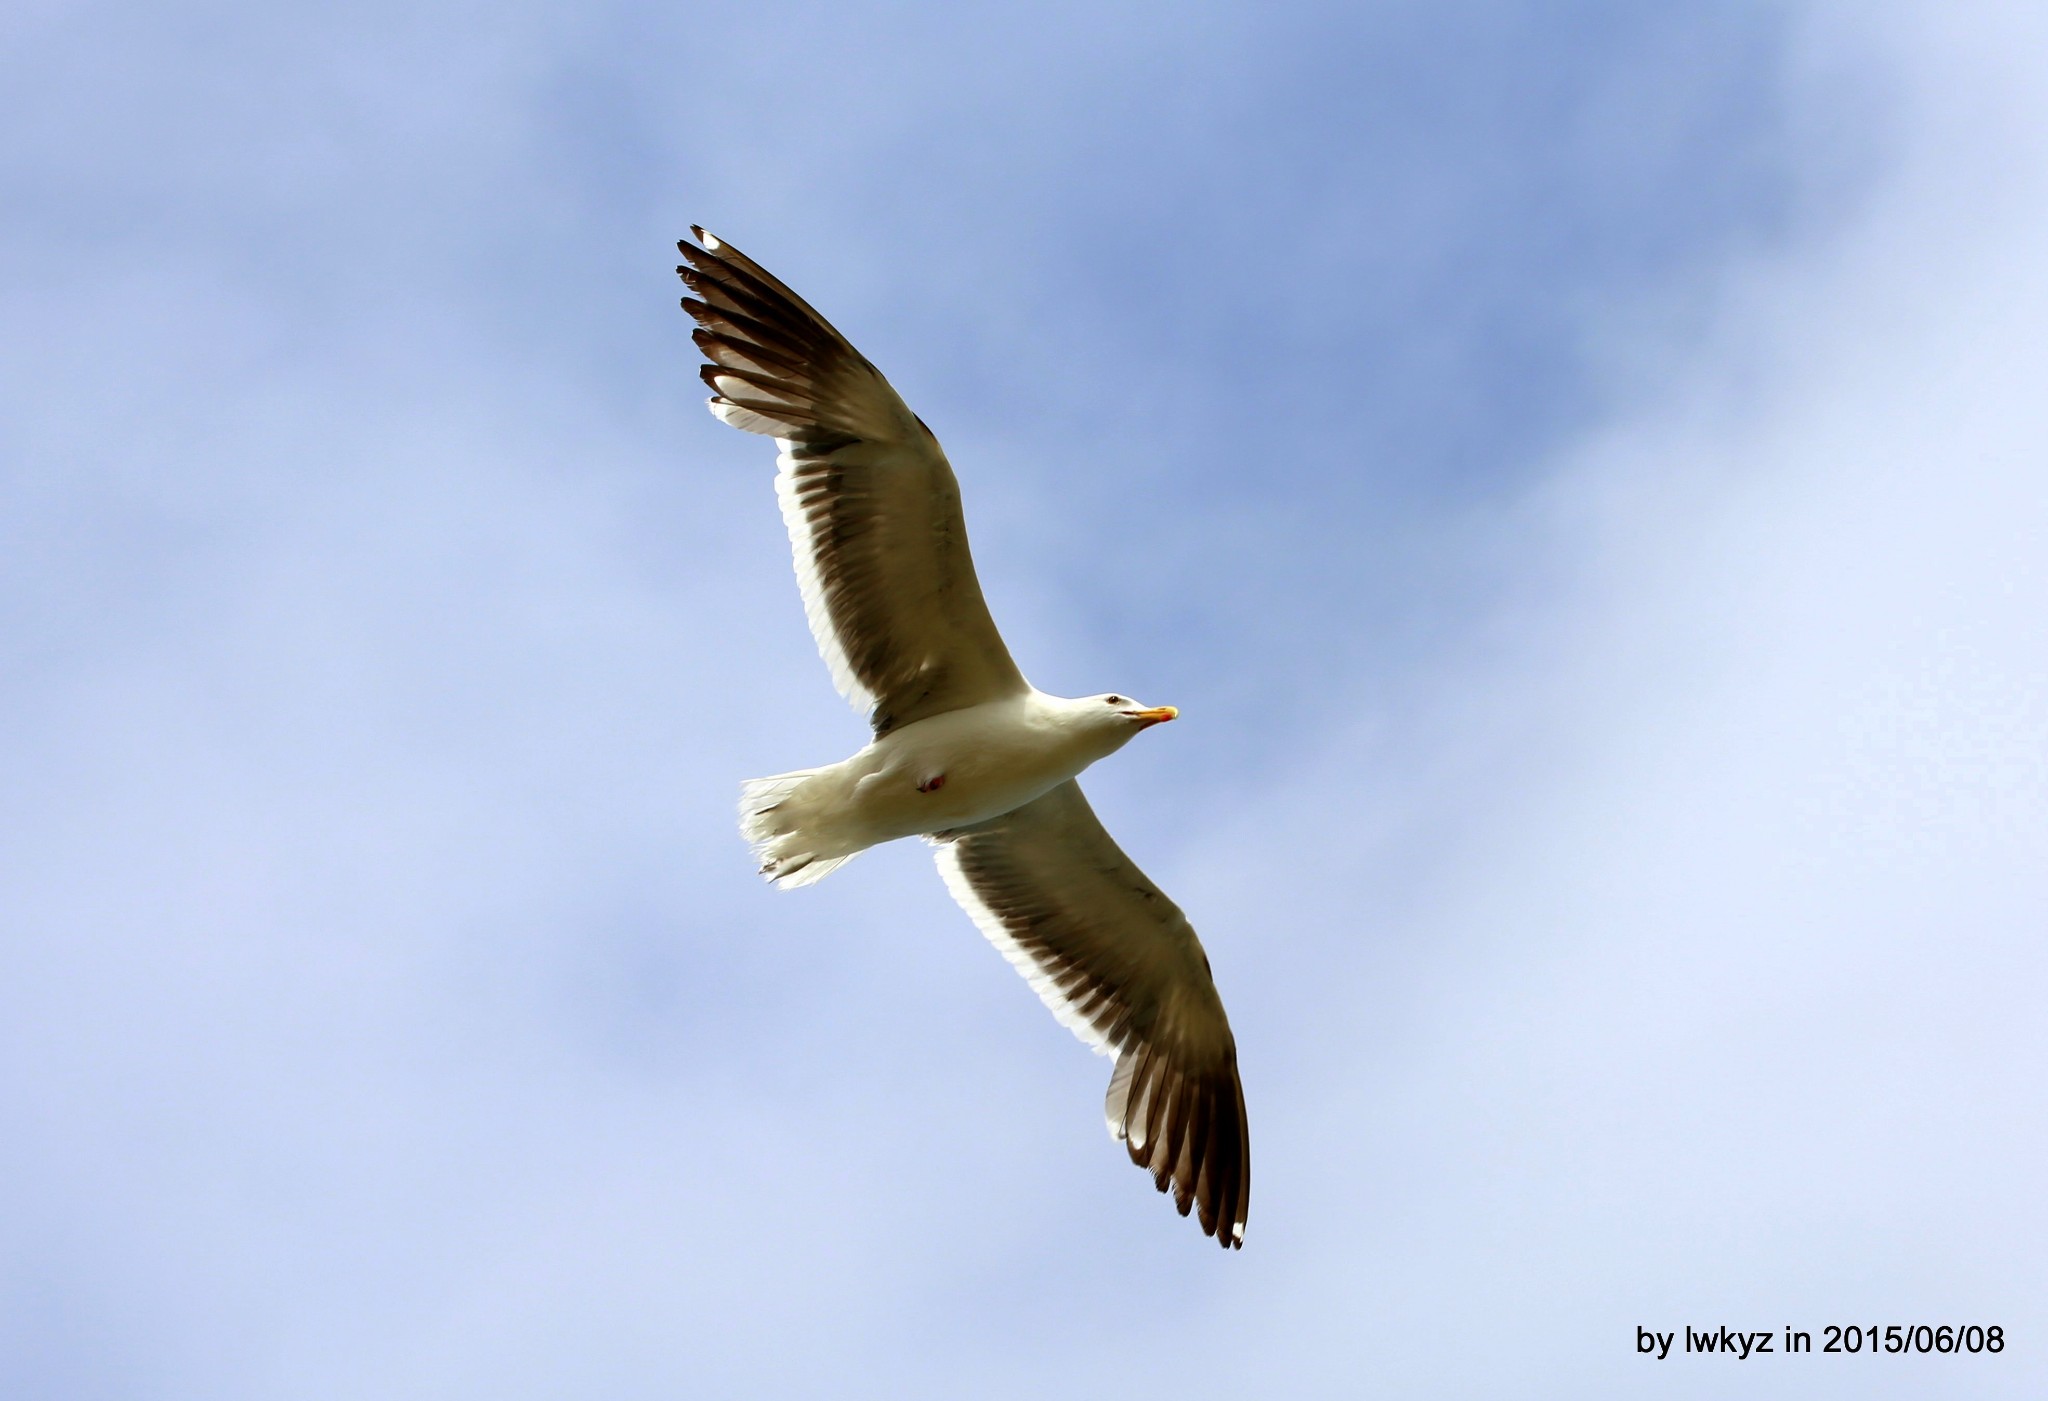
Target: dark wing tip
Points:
(1187, 1129)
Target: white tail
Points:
(772, 813)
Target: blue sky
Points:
(1578, 468)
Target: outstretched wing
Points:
(1118, 963)
(870, 501)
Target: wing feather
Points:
(869, 500)
(1118, 964)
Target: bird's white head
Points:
(1110, 720)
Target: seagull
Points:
(966, 753)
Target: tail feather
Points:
(803, 869)
(771, 820)
(761, 799)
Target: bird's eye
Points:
(1112, 700)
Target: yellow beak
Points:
(1155, 716)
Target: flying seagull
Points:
(966, 754)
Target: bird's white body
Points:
(934, 775)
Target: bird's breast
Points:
(963, 767)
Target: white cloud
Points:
(1722, 1003)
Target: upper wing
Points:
(1118, 963)
(871, 504)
